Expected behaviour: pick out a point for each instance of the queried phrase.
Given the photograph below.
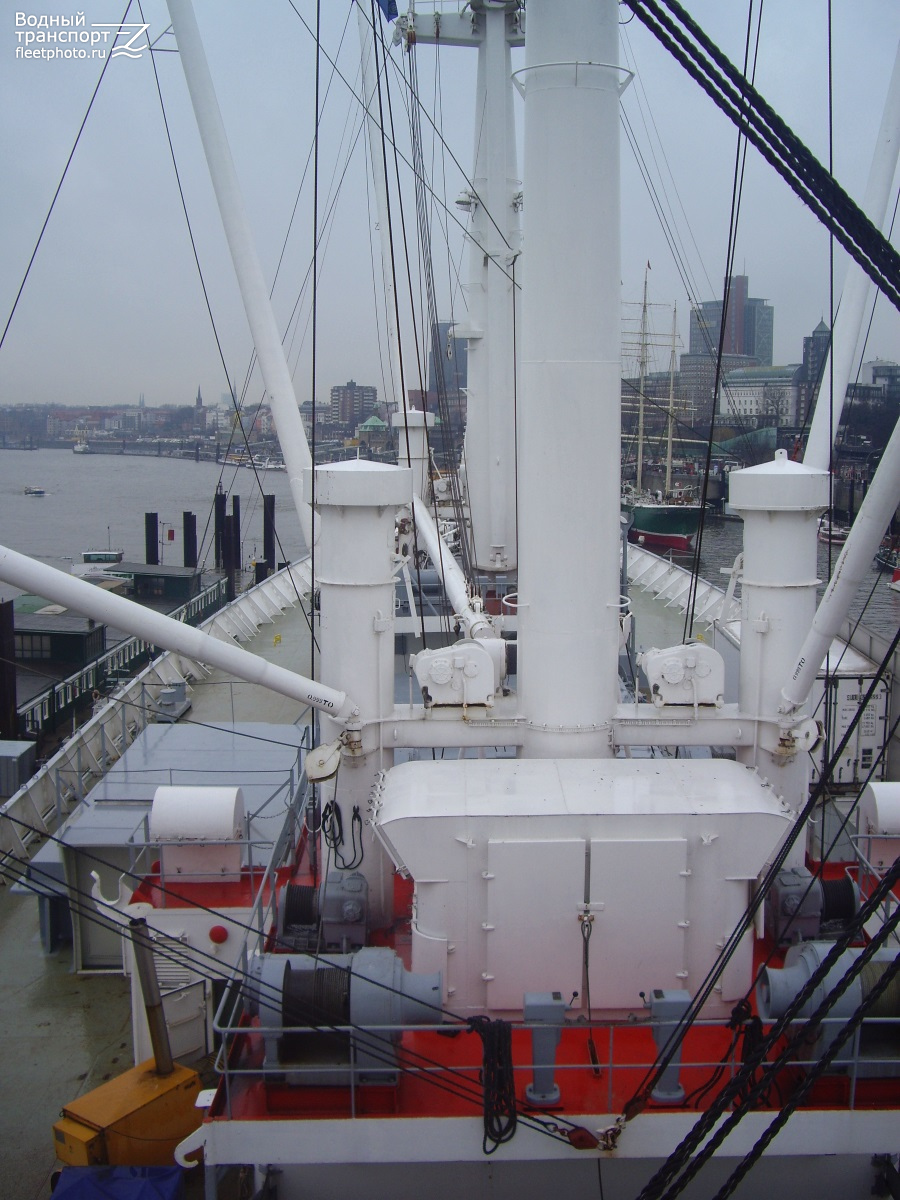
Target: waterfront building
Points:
(352, 402)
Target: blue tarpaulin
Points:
(120, 1183)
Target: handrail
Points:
(233, 1068)
(66, 691)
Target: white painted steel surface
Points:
(475, 622)
(631, 949)
(190, 813)
(443, 820)
(494, 248)
(853, 564)
(163, 631)
(412, 428)
(534, 889)
(780, 502)
(356, 503)
(569, 605)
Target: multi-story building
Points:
(450, 354)
(745, 328)
(352, 403)
(757, 396)
(815, 351)
(697, 382)
(749, 325)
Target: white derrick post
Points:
(356, 504)
(376, 155)
(780, 502)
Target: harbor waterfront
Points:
(92, 502)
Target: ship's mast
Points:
(494, 201)
(642, 374)
(671, 414)
(570, 406)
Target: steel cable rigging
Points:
(680, 1167)
(381, 80)
(454, 1081)
(775, 141)
(745, 923)
(723, 1099)
(737, 189)
(424, 228)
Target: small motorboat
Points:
(832, 532)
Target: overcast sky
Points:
(113, 307)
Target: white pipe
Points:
(254, 292)
(417, 727)
(475, 623)
(853, 564)
(169, 634)
(848, 322)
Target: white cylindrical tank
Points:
(200, 831)
(879, 824)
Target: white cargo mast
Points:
(569, 486)
(493, 201)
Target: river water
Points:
(96, 501)
(99, 500)
(876, 604)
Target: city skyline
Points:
(114, 305)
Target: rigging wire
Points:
(236, 406)
(455, 1082)
(705, 990)
(399, 154)
(635, 1105)
(678, 1164)
(778, 145)
(885, 980)
(737, 190)
(382, 81)
(409, 274)
(439, 382)
(62, 179)
(315, 302)
(454, 284)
